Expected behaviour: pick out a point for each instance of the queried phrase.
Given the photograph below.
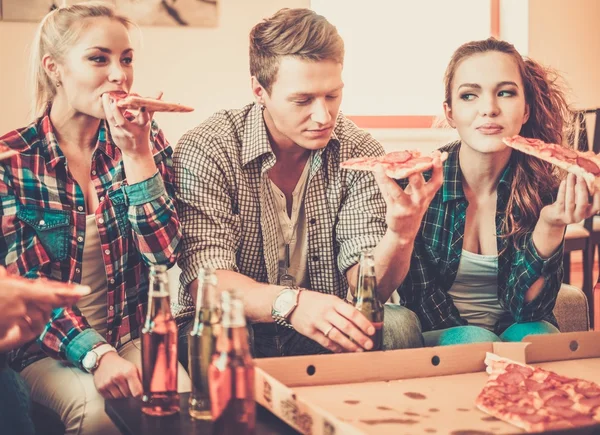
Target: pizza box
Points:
(411, 391)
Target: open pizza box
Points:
(413, 391)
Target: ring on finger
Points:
(326, 333)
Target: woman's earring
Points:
(58, 83)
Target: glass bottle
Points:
(231, 372)
(366, 300)
(159, 349)
(201, 343)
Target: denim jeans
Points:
(401, 330)
(476, 334)
(15, 412)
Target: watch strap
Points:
(280, 319)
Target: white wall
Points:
(206, 68)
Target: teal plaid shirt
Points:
(438, 249)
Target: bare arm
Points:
(257, 297)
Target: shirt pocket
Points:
(52, 228)
(119, 210)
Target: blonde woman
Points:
(87, 200)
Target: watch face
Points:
(285, 301)
(89, 360)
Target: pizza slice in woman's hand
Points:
(136, 102)
(585, 164)
(397, 164)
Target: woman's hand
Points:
(132, 135)
(573, 203)
(129, 132)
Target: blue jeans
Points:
(15, 412)
(476, 334)
(401, 330)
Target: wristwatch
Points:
(91, 360)
(284, 305)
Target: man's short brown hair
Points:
(292, 32)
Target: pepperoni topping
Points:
(588, 165)
(588, 392)
(525, 371)
(533, 385)
(534, 418)
(511, 378)
(560, 379)
(582, 420)
(545, 394)
(591, 402)
(559, 402)
(562, 412)
(521, 410)
(397, 157)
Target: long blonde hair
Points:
(534, 181)
(58, 31)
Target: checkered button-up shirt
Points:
(43, 232)
(221, 179)
(438, 249)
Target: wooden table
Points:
(126, 414)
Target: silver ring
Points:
(328, 331)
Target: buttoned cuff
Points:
(84, 342)
(145, 191)
(542, 266)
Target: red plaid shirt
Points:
(43, 232)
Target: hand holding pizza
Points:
(131, 133)
(406, 207)
(573, 203)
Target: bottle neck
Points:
(159, 300)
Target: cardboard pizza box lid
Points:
(428, 390)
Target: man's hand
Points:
(117, 378)
(331, 322)
(406, 207)
(26, 306)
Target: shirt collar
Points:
(51, 150)
(452, 188)
(255, 140)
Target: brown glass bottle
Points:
(231, 373)
(201, 343)
(159, 349)
(366, 300)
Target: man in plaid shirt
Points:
(262, 200)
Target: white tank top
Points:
(475, 289)
(93, 306)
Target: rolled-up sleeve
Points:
(361, 218)
(212, 231)
(152, 213)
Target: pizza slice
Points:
(136, 102)
(586, 164)
(6, 152)
(397, 164)
(535, 399)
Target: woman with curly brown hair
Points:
(487, 261)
